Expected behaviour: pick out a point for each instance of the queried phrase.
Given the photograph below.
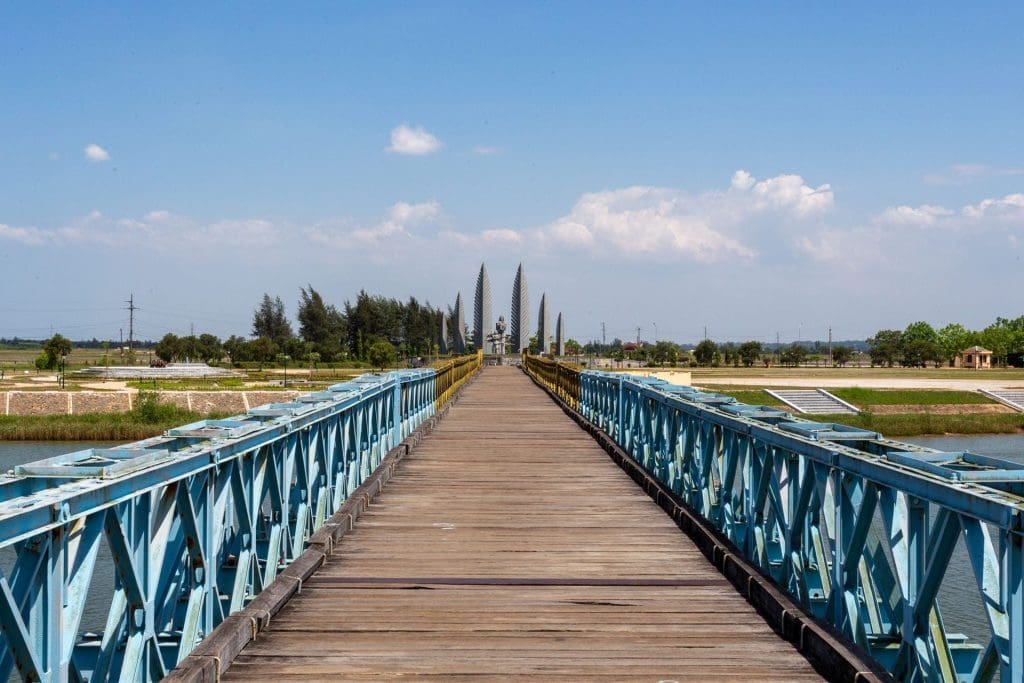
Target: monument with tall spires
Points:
(459, 326)
(560, 336)
(520, 313)
(482, 314)
(442, 347)
(543, 326)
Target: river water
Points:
(959, 597)
(102, 589)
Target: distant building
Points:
(975, 358)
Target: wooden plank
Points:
(508, 545)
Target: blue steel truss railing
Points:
(859, 529)
(192, 524)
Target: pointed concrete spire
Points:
(442, 348)
(482, 315)
(459, 321)
(520, 322)
(560, 336)
(543, 326)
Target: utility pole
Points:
(638, 335)
(603, 339)
(131, 320)
(705, 333)
(830, 346)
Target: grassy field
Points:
(916, 397)
(902, 424)
(148, 418)
(916, 424)
(864, 398)
(22, 359)
(19, 368)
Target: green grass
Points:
(917, 397)
(915, 424)
(755, 397)
(903, 424)
(148, 418)
(219, 384)
(867, 397)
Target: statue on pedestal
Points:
(498, 338)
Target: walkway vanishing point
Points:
(509, 545)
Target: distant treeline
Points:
(920, 343)
(19, 344)
(811, 347)
(355, 332)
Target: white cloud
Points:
(791, 193)
(647, 221)
(32, 237)
(884, 239)
(741, 180)
(158, 216)
(850, 249)
(502, 235)
(95, 153)
(959, 174)
(414, 141)
(412, 214)
(748, 220)
(921, 216)
(670, 223)
(398, 223)
(1010, 206)
(154, 230)
(486, 151)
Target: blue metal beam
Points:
(858, 528)
(197, 521)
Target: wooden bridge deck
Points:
(508, 545)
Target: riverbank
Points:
(147, 418)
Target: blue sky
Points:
(750, 169)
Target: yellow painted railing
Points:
(452, 374)
(561, 378)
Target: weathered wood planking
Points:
(509, 545)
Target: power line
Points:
(131, 320)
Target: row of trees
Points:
(710, 354)
(920, 343)
(358, 331)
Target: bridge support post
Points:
(1015, 605)
(396, 423)
(619, 420)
